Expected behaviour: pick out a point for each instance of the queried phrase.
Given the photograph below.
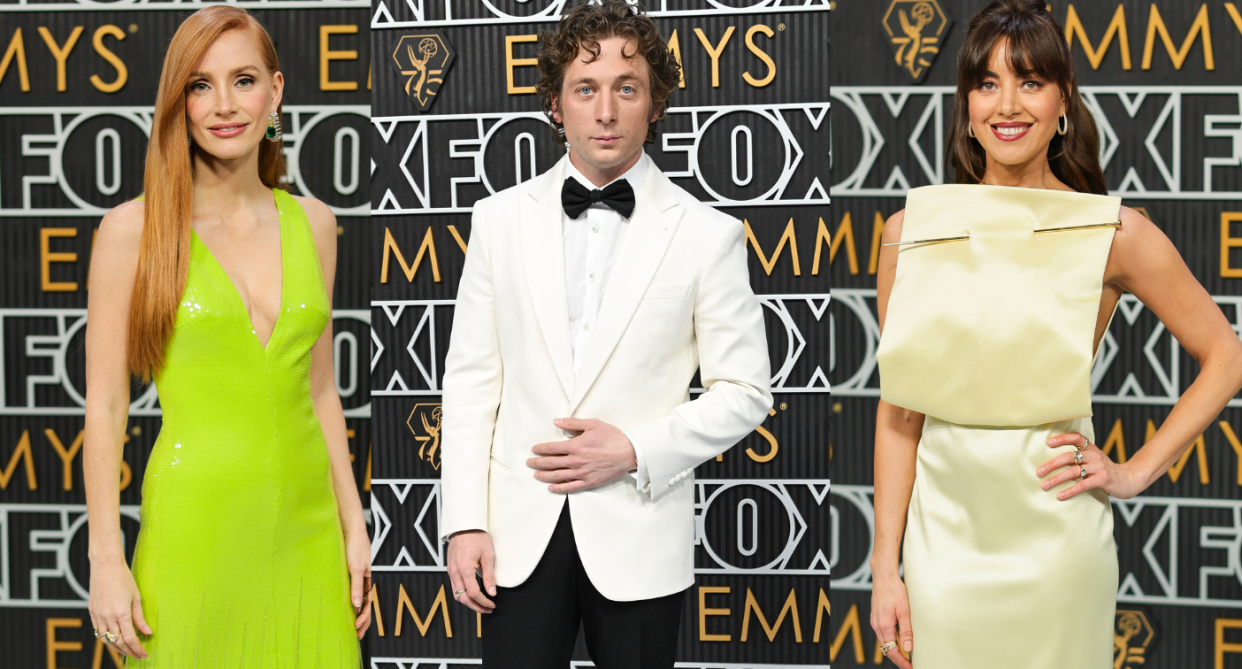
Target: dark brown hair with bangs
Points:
(583, 27)
(1036, 46)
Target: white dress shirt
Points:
(592, 242)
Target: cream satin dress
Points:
(991, 338)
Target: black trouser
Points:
(535, 625)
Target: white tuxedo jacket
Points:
(678, 300)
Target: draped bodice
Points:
(992, 314)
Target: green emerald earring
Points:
(273, 127)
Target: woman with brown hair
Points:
(991, 497)
(217, 284)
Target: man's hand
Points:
(468, 551)
(598, 455)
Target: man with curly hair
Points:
(589, 297)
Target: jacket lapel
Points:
(543, 251)
(656, 216)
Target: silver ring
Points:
(1082, 472)
(1078, 458)
(888, 645)
(1085, 444)
(98, 634)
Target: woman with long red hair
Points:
(217, 285)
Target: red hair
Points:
(168, 184)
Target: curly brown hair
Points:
(582, 28)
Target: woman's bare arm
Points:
(897, 432)
(114, 602)
(332, 420)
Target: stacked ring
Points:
(1078, 458)
(888, 645)
(110, 637)
(1082, 472)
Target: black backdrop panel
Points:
(1169, 134)
(66, 157)
(757, 147)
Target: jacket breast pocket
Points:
(667, 291)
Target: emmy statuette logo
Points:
(424, 422)
(915, 29)
(422, 62)
(1132, 637)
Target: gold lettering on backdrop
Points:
(822, 608)
(850, 627)
(21, 452)
(674, 46)
(1222, 647)
(512, 63)
(790, 607)
(773, 447)
(327, 55)
(478, 625)
(1117, 28)
(441, 603)
(1227, 242)
(117, 659)
(66, 455)
(428, 245)
(787, 237)
(761, 55)
(53, 645)
(61, 54)
(46, 258)
(845, 231)
(714, 52)
(16, 48)
(704, 591)
(377, 613)
(461, 243)
(1116, 439)
(1156, 24)
(122, 74)
(1233, 14)
(1227, 429)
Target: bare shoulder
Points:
(892, 227)
(1136, 229)
(123, 223)
(320, 216)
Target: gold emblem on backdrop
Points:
(915, 30)
(1132, 637)
(422, 62)
(424, 422)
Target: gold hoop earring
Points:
(1061, 130)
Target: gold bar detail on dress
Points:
(1115, 224)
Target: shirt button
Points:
(595, 228)
(591, 276)
(586, 326)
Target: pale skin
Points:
(1142, 261)
(235, 216)
(605, 107)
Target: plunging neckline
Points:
(280, 216)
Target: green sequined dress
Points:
(240, 559)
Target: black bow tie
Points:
(618, 195)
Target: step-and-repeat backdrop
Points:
(455, 118)
(77, 87)
(1164, 80)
